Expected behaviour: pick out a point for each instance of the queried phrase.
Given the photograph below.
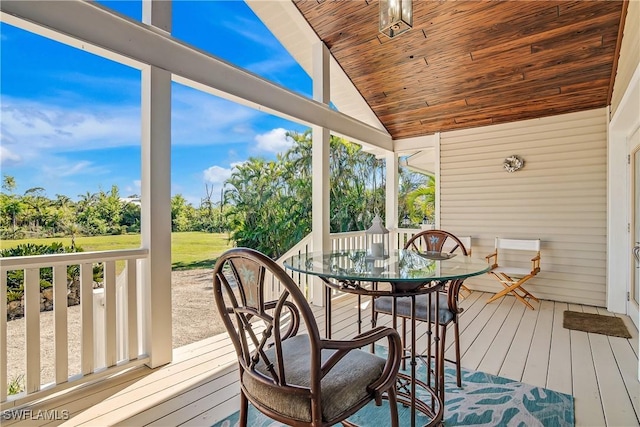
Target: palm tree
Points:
(14, 207)
(72, 229)
(34, 198)
(8, 183)
(421, 202)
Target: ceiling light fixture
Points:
(396, 16)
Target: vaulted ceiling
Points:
(474, 63)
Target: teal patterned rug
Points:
(484, 399)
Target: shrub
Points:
(15, 278)
(16, 385)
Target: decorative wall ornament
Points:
(513, 163)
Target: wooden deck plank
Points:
(618, 409)
(156, 388)
(481, 345)
(628, 365)
(473, 329)
(497, 353)
(588, 403)
(194, 401)
(535, 371)
(558, 376)
(200, 386)
(91, 394)
(471, 306)
(516, 360)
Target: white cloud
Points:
(69, 169)
(217, 175)
(134, 188)
(199, 118)
(8, 157)
(274, 141)
(34, 126)
(214, 178)
(271, 67)
(252, 30)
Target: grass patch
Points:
(197, 250)
(188, 250)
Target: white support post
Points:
(391, 196)
(156, 197)
(320, 166)
(437, 178)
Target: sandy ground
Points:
(194, 318)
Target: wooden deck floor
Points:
(503, 338)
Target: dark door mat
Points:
(595, 323)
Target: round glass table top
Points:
(402, 265)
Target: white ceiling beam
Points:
(410, 145)
(81, 23)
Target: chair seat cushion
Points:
(343, 387)
(403, 307)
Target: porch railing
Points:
(111, 337)
(117, 338)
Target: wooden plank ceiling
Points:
(474, 63)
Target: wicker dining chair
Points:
(296, 378)
(448, 310)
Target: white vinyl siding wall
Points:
(559, 197)
(629, 54)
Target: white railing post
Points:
(87, 319)
(61, 334)
(99, 327)
(32, 328)
(3, 335)
(102, 313)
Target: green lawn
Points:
(188, 250)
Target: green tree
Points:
(109, 209)
(271, 200)
(8, 183)
(255, 195)
(409, 182)
(12, 207)
(421, 202)
(131, 217)
(87, 214)
(36, 204)
(181, 214)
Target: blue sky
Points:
(70, 120)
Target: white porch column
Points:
(391, 196)
(436, 176)
(156, 196)
(320, 166)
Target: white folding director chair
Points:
(511, 276)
